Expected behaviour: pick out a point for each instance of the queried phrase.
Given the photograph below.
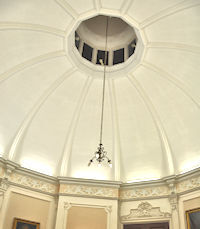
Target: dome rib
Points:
(161, 131)
(67, 146)
(168, 12)
(97, 4)
(177, 46)
(28, 63)
(116, 134)
(179, 84)
(125, 6)
(30, 116)
(32, 27)
(67, 8)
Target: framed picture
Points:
(25, 224)
(193, 218)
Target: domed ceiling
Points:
(50, 97)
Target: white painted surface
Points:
(156, 104)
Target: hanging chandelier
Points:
(100, 155)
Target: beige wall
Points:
(86, 218)
(68, 214)
(26, 207)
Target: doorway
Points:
(147, 226)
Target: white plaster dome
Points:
(50, 97)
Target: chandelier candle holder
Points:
(100, 155)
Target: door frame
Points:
(145, 220)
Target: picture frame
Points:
(25, 224)
(193, 218)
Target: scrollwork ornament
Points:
(67, 205)
(144, 192)
(85, 190)
(188, 184)
(173, 199)
(4, 184)
(172, 188)
(108, 209)
(145, 210)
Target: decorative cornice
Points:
(171, 187)
(145, 210)
(90, 182)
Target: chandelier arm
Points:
(107, 158)
(104, 82)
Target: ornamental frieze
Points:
(188, 184)
(33, 183)
(85, 190)
(145, 192)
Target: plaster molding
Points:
(67, 206)
(171, 187)
(85, 190)
(145, 210)
(4, 184)
(10, 167)
(33, 112)
(69, 138)
(97, 4)
(67, 8)
(176, 46)
(116, 133)
(144, 192)
(113, 71)
(173, 197)
(1, 198)
(173, 200)
(126, 5)
(28, 63)
(175, 81)
(2, 171)
(33, 183)
(31, 27)
(183, 5)
(166, 147)
(89, 182)
(188, 184)
(108, 209)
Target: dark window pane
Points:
(77, 40)
(87, 52)
(101, 55)
(118, 56)
(131, 48)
